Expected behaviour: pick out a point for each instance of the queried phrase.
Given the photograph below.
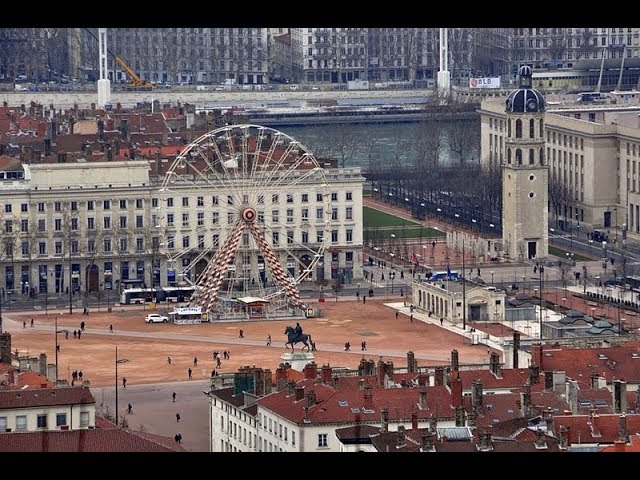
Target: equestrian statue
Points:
(295, 335)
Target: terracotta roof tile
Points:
(45, 397)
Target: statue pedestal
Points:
(298, 360)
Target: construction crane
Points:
(135, 81)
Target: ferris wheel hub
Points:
(249, 214)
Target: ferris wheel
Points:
(263, 217)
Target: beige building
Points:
(107, 225)
(593, 154)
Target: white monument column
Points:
(104, 85)
(444, 77)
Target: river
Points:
(371, 145)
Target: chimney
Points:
(109, 153)
(381, 372)
(400, 436)
(42, 364)
(47, 147)
(438, 377)
(158, 162)
(132, 153)
(456, 391)
(336, 382)
(471, 418)
(291, 388)
(540, 441)
(368, 392)
(548, 380)
(516, 348)
(411, 362)
(384, 420)
(326, 374)
(460, 414)
(311, 398)
(433, 424)
(117, 142)
(299, 393)
(594, 380)
(268, 381)
(423, 398)
(493, 363)
(623, 428)
(414, 420)
(620, 396)
(101, 129)
(476, 393)
(537, 355)
(310, 370)
(563, 442)
(484, 441)
(548, 419)
(5, 347)
(534, 374)
(427, 442)
(525, 400)
(454, 360)
(306, 414)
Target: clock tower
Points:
(525, 174)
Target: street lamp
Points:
(118, 360)
(392, 275)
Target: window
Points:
(348, 256)
(140, 244)
(123, 204)
(201, 201)
(200, 241)
(3, 424)
(57, 206)
(305, 214)
(154, 202)
(200, 219)
(42, 225)
(40, 206)
(21, 422)
(106, 204)
(289, 198)
(293, 438)
(106, 221)
(305, 197)
(123, 222)
(322, 440)
(229, 199)
(334, 236)
(74, 246)
(170, 242)
(289, 237)
(170, 219)
(334, 196)
(349, 196)
(169, 202)
(230, 217)
(319, 236)
(58, 249)
(139, 203)
(91, 246)
(276, 238)
(8, 226)
(214, 200)
(185, 201)
(334, 213)
(185, 241)
(23, 208)
(42, 421)
(24, 248)
(61, 419)
(7, 208)
(319, 213)
(42, 248)
(107, 245)
(84, 419)
(275, 198)
(275, 216)
(319, 197)
(349, 213)
(139, 221)
(349, 235)
(216, 218)
(123, 245)
(289, 215)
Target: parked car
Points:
(156, 318)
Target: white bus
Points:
(157, 294)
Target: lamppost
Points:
(118, 360)
(57, 346)
(541, 270)
(392, 275)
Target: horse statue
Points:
(294, 338)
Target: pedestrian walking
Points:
(241, 334)
(396, 314)
(75, 334)
(411, 317)
(110, 328)
(32, 323)
(213, 373)
(124, 382)
(178, 417)
(82, 326)
(218, 363)
(80, 375)
(364, 299)
(178, 437)
(347, 346)
(269, 341)
(190, 372)
(169, 359)
(66, 334)
(441, 321)
(173, 395)
(195, 361)
(129, 409)
(79, 332)
(24, 324)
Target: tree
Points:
(336, 286)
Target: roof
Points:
(596, 428)
(89, 440)
(42, 397)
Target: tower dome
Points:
(525, 99)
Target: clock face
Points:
(532, 105)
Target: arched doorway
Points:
(93, 282)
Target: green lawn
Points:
(558, 252)
(377, 224)
(376, 218)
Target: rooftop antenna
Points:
(104, 85)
